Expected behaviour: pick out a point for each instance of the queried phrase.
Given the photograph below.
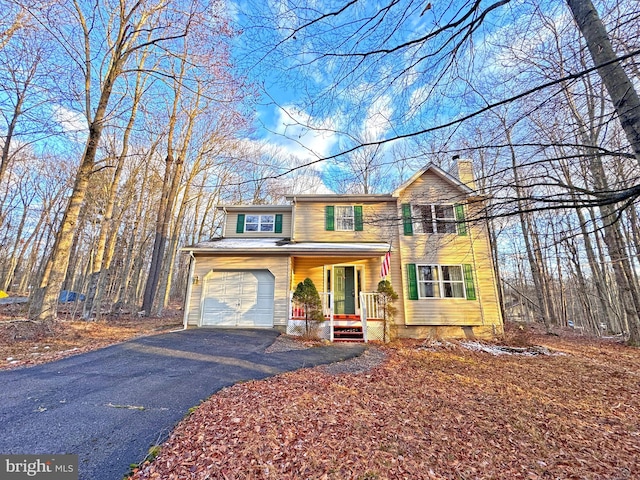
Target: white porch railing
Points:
(327, 310)
(369, 303)
(370, 309)
(296, 310)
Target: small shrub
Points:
(306, 294)
(386, 296)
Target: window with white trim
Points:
(344, 218)
(259, 223)
(440, 281)
(434, 218)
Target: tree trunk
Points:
(620, 87)
(123, 296)
(535, 261)
(13, 260)
(99, 264)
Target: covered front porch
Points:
(366, 325)
(351, 309)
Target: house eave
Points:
(336, 198)
(254, 208)
(447, 177)
(305, 249)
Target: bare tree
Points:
(127, 28)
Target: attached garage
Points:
(237, 298)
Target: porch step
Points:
(343, 316)
(343, 333)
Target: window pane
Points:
(426, 272)
(267, 223)
(458, 290)
(453, 290)
(429, 290)
(426, 218)
(446, 227)
(445, 219)
(251, 223)
(452, 272)
(345, 223)
(428, 285)
(445, 211)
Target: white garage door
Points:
(238, 299)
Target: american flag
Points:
(386, 264)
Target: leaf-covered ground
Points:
(426, 412)
(24, 343)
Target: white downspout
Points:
(293, 220)
(187, 301)
(224, 222)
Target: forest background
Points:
(124, 123)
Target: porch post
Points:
(289, 311)
(330, 294)
(363, 316)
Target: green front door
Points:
(344, 290)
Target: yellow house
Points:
(437, 260)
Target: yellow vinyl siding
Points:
(378, 223)
(278, 266)
(448, 249)
(232, 221)
(430, 188)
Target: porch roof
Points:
(284, 246)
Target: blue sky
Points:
(389, 95)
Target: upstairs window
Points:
(259, 223)
(252, 223)
(344, 218)
(434, 218)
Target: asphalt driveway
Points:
(110, 405)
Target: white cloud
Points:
(378, 120)
(297, 134)
(73, 123)
(282, 157)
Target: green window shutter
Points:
(468, 282)
(462, 226)
(357, 217)
(240, 223)
(413, 281)
(329, 215)
(278, 226)
(406, 220)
